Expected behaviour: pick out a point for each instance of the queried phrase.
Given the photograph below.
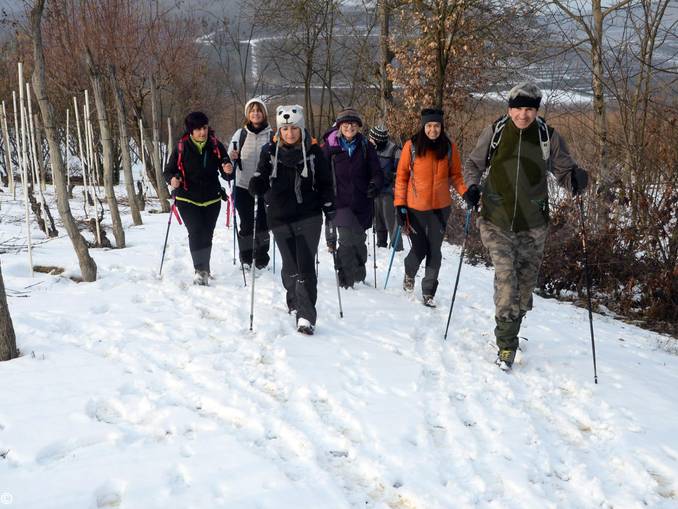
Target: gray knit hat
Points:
(525, 95)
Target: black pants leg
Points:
(381, 226)
(200, 223)
(244, 203)
(426, 243)
(351, 255)
(298, 245)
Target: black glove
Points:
(472, 196)
(258, 185)
(579, 179)
(329, 211)
(401, 216)
(331, 236)
(372, 190)
(222, 194)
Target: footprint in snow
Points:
(109, 495)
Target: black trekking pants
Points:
(351, 255)
(244, 203)
(427, 238)
(200, 223)
(298, 245)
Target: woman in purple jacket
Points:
(357, 180)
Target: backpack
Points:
(180, 148)
(545, 133)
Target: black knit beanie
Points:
(432, 115)
(195, 120)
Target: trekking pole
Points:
(235, 217)
(273, 244)
(393, 250)
(461, 259)
(374, 241)
(173, 211)
(252, 268)
(336, 277)
(588, 287)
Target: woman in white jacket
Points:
(245, 149)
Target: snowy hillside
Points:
(143, 392)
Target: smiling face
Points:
(522, 117)
(200, 134)
(349, 130)
(290, 134)
(433, 130)
(256, 115)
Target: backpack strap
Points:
(497, 130)
(180, 160)
(544, 138)
(242, 138)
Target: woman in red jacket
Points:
(429, 166)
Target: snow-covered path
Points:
(144, 392)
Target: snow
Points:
(139, 391)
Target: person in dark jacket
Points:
(295, 179)
(193, 173)
(517, 152)
(358, 180)
(385, 217)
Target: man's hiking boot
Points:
(428, 301)
(304, 327)
(505, 359)
(201, 278)
(408, 283)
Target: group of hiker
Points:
(359, 182)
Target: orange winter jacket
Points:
(426, 186)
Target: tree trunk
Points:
(599, 110)
(124, 148)
(161, 188)
(87, 265)
(107, 145)
(8, 349)
(385, 57)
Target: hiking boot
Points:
(505, 359)
(247, 266)
(428, 301)
(408, 283)
(201, 278)
(261, 265)
(304, 327)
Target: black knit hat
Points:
(348, 115)
(195, 120)
(432, 115)
(378, 134)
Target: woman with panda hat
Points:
(295, 179)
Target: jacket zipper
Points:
(515, 198)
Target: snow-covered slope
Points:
(144, 392)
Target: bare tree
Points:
(8, 349)
(107, 145)
(87, 265)
(123, 136)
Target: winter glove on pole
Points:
(461, 259)
(588, 286)
(401, 216)
(331, 236)
(579, 179)
(372, 190)
(258, 185)
(472, 196)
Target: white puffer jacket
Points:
(249, 153)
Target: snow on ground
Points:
(139, 391)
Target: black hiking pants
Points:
(351, 255)
(244, 204)
(200, 223)
(298, 245)
(385, 220)
(427, 239)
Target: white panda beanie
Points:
(290, 115)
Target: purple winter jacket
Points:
(353, 175)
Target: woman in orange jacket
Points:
(429, 166)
